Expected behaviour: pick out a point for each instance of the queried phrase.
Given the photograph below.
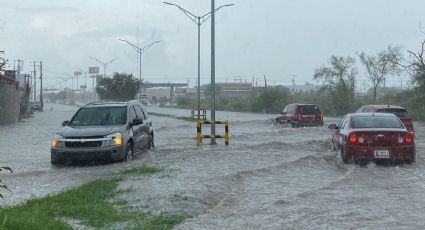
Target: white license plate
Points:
(382, 153)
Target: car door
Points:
(337, 134)
(290, 112)
(135, 128)
(144, 128)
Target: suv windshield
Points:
(308, 109)
(376, 122)
(100, 116)
(397, 112)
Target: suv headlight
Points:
(113, 139)
(58, 141)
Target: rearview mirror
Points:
(64, 123)
(332, 126)
(136, 121)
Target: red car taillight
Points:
(408, 139)
(352, 139)
(321, 116)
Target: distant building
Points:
(308, 87)
(231, 89)
(9, 98)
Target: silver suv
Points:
(104, 131)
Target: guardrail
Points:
(202, 115)
(200, 137)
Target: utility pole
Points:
(293, 83)
(213, 141)
(35, 65)
(41, 86)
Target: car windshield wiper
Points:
(105, 119)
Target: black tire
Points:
(294, 125)
(343, 157)
(151, 141)
(129, 153)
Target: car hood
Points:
(88, 131)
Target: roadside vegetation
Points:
(171, 116)
(121, 87)
(94, 204)
(339, 79)
(3, 186)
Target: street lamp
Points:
(104, 64)
(198, 20)
(139, 51)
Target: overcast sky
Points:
(278, 38)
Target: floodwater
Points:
(269, 177)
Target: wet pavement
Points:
(269, 177)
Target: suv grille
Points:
(83, 144)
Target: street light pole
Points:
(198, 20)
(199, 70)
(213, 142)
(139, 51)
(104, 64)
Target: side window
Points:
(139, 112)
(342, 123)
(132, 114)
(291, 109)
(366, 110)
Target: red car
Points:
(301, 114)
(400, 112)
(362, 137)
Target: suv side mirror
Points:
(136, 121)
(332, 126)
(64, 123)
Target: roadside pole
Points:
(41, 86)
(213, 141)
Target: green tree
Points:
(416, 67)
(3, 61)
(271, 100)
(381, 65)
(339, 78)
(218, 90)
(121, 87)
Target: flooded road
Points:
(269, 177)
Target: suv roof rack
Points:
(104, 103)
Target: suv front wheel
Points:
(129, 154)
(151, 141)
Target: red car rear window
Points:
(397, 112)
(375, 122)
(309, 109)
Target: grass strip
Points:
(91, 203)
(141, 170)
(172, 116)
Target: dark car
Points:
(361, 137)
(299, 114)
(400, 112)
(104, 131)
(35, 105)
